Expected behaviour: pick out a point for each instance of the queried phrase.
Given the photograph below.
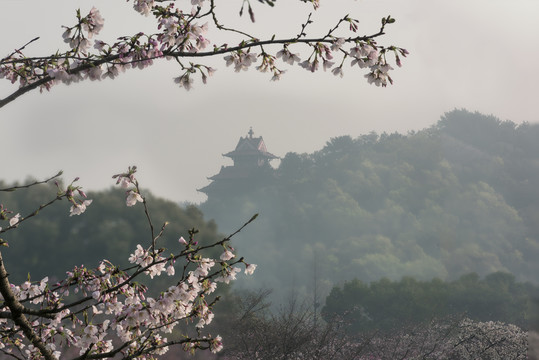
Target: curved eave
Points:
(266, 155)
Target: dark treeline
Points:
(386, 304)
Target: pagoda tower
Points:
(251, 166)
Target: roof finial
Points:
(251, 132)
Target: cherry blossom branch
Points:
(177, 54)
(185, 253)
(181, 37)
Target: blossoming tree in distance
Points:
(104, 312)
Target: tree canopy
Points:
(387, 305)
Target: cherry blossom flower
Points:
(14, 220)
(277, 75)
(124, 182)
(250, 269)
(327, 64)
(385, 68)
(58, 74)
(228, 274)
(182, 241)
(95, 73)
(204, 267)
(337, 71)
(287, 56)
(241, 60)
(79, 208)
(157, 269)
(216, 344)
(184, 81)
(337, 44)
(133, 197)
(112, 71)
(227, 255)
(308, 65)
(99, 45)
(143, 6)
(93, 23)
(360, 62)
(139, 254)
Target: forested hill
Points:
(461, 196)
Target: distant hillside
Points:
(53, 242)
(461, 196)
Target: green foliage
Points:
(386, 305)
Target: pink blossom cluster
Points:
(287, 56)
(129, 182)
(242, 60)
(79, 204)
(78, 37)
(103, 312)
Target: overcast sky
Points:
(476, 54)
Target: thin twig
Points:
(13, 188)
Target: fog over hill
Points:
(458, 197)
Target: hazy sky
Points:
(476, 54)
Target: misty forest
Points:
(324, 229)
(359, 244)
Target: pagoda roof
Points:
(232, 172)
(227, 176)
(251, 146)
(251, 163)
